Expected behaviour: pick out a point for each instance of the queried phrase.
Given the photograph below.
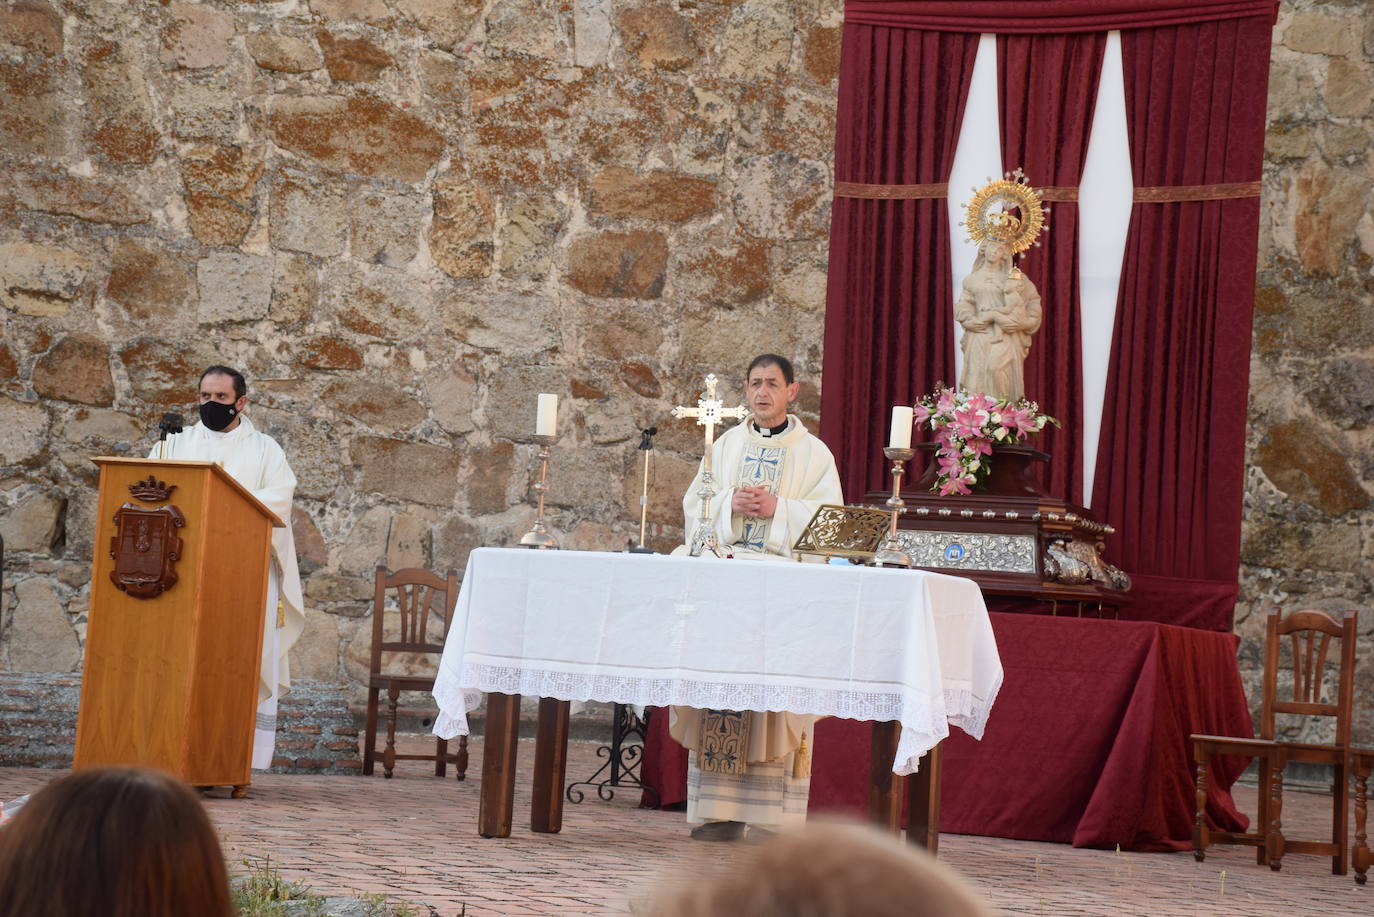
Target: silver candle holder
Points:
(890, 553)
(539, 536)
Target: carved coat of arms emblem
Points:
(145, 546)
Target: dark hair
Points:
(113, 842)
(240, 386)
(772, 359)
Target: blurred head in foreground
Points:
(113, 842)
(828, 870)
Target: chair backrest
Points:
(1310, 634)
(418, 597)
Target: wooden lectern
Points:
(175, 630)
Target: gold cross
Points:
(709, 412)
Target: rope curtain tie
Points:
(1158, 194)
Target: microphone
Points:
(646, 438)
(170, 423)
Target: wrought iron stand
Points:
(622, 760)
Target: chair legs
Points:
(389, 753)
(1200, 838)
(1273, 842)
(370, 733)
(1340, 790)
(1360, 853)
(459, 758)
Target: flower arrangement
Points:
(967, 427)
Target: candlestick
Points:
(900, 437)
(546, 419)
(539, 536)
(891, 553)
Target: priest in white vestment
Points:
(227, 437)
(754, 768)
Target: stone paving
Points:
(414, 838)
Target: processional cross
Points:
(709, 412)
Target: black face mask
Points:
(217, 416)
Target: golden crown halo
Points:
(993, 212)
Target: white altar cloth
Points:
(856, 642)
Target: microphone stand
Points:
(646, 445)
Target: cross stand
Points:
(708, 413)
(623, 760)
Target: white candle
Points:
(546, 421)
(900, 437)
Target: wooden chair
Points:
(406, 600)
(1310, 634)
(1361, 765)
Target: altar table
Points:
(912, 649)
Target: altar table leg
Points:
(885, 787)
(550, 766)
(497, 797)
(923, 803)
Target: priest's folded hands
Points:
(754, 501)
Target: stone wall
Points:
(402, 219)
(1309, 519)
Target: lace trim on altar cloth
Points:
(923, 724)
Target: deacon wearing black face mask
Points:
(227, 437)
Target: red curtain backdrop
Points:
(902, 95)
(1169, 470)
(1029, 17)
(1171, 463)
(1046, 92)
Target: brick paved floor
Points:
(414, 838)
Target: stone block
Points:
(309, 218)
(23, 431)
(658, 36)
(41, 639)
(408, 540)
(314, 447)
(328, 352)
(33, 120)
(361, 135)
(782, 196)
(453, 540)
(728, 338)
(283, 53)
(32, 26)
(364, 547)
(622, 331)
(381, 406)
(381, 303)
(196, 36)
(510, 324)
(1348, 90)
(446, 22)
(488, 487)
(316, 653)
(667, 196)
(621, 265)
(728, 275)
(528, 236)
(1309, 465)
(1319, 31)
(452, 396)
(118, 119)
(311, 551)
(40, 279)
(513, 397)
(334, 587)
(758, 41)
(205, 110)
(592, 33)
(461, 237)
(800, 279)
(77, 368)
(1344, 392)
(148, 281)
(164, 373)
(95, 200)
(386, 228)
(373, 12)
(1290, 545)
(234, 287)
(110, 427)
(416, 472)
(34, 523)
(295, 287)
(821, 54)
(352, 59)
(640, 379)
(578, 477)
